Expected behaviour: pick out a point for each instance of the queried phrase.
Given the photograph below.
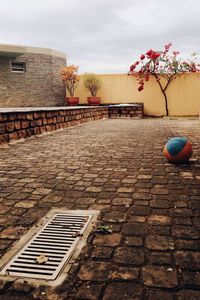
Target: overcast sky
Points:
(102, 36)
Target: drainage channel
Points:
(47, 250)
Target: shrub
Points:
(69, 75)
(92, 83)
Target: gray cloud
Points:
(102, 35)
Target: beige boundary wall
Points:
(183, 94)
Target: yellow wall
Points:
(183, 93)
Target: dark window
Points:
(19, 67)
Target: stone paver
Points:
(117, 167)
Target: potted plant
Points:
(93, 84)
(69, 75)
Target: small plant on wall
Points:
(69, 75)
(162, 65)
(93, 84)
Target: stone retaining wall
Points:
(126, 111)
(22, 123)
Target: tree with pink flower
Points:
(164, 66)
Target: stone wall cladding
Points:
(15, 125)
(59, 89)
(123, 111)
(39, 86)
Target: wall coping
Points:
(16, 50)
(33, 109)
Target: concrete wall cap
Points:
(9, 50)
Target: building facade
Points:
(29, 77)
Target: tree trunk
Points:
(166, 104)
(163, 90)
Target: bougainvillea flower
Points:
(149, 52)
(140, 88)
(132, 67)
(176, 53)
(154, 55)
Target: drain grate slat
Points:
(32, 261)
(55, 236)
(30, 273)
(56, 226)
(63, 221)
(67, 218)
(34, 267)
(66, 232)
(50, 247)
(44, 256)
(37, 253)
(52, 241)
(51, 244)
(27, 255)
(41, 250)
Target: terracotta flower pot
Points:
(72, 100)
(94, 100)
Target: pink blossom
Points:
(140, 88)
(176, 53)
(149, 52)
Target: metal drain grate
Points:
(47, 252)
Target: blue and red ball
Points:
(178, 149)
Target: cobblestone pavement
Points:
(117, 167)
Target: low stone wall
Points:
(126, 111)
(25, 122)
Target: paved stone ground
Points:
(116, 166)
